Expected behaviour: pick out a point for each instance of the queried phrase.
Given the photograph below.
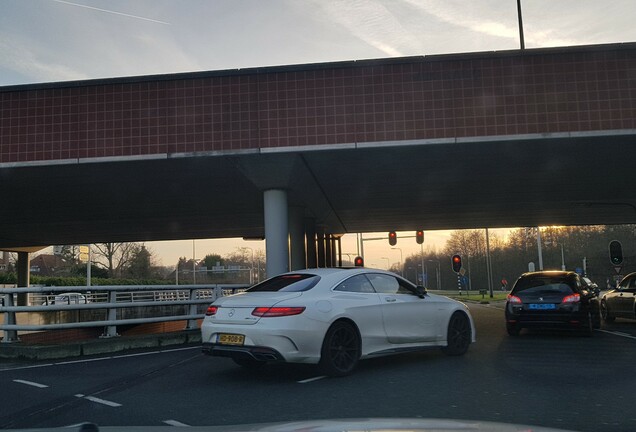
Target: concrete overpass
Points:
(495, 139)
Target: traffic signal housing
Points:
(419, 236)
(392, 238)
(616, 252)
(456, 263)
(358, 261)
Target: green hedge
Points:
(11, 278)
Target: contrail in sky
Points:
(111, 12)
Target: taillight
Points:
(574, 298)
(513, 299)
(277, 311)
(211, 310)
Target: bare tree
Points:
(115, 257)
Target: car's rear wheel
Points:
(605, 313)
(588, 325)
(459, 335)
(513, 329)
(248, 363)
(596, 318)
(340, 349)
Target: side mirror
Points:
(421, 291)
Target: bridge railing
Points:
(148, 300)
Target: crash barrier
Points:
(108, 306)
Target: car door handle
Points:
(389, 299)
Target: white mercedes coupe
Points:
(333, 317)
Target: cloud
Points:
(18, 58)
(369, 21)
(479, 19)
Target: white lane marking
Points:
(98, 400)
(308, 380)
(615, 333)
(31, 383)
(97, 359)
(26, 367)
(68, 362)
(175, 423)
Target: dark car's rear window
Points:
(543, 285)
(287, 283)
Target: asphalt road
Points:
(540, 378)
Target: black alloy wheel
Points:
(588, 325)
(459, 335)
(605, 313)
(596, 318)
(340, 349)
(513, 329)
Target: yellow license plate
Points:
(231, 339)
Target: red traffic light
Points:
(392, 238)
(456, 262)
(419, 236)
(358, 261)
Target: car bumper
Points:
(251, 352)
(578, 318)
(270, 340)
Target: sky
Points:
(59, 40)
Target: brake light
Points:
(574, 298)
(277, 311)
(513, 299)
(211, 310)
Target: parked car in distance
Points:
(552, 299)
(333, 317)
(621, 301)
(66, 299)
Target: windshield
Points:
(287, 283)
(179, 180)
(542, 285)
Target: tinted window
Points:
(287, 283)
(359, 284)
(544, 285)
(386, 284)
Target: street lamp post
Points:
(387, 262)
(252, 266)
(438, 273)
(194, 264)
(401, 260)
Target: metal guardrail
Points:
(111, 299)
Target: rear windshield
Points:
(287, 283)
(543, 285)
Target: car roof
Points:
(552, 273)
(336, 274)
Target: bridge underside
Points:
(439, 184)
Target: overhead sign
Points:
(83, 257)
(83, 249)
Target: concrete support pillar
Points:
(23, 268)
(276, 231)
(297, 238)
(310, 236)
(320, 247)
(328, 250)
